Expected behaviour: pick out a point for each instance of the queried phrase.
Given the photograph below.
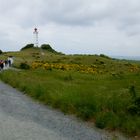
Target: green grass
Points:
(107, 97)
(91, 97)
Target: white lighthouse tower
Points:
(35, 37)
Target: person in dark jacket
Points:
(1, 64)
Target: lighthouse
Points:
(35, 37)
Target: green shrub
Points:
(1, 52)
(102, 62)
(130, 126)
(24, 65)
(105, 119)
(132, 92)
(134, 107)
(48, 48)
(104, 56)
(28, 46)
(85, 112)
(86, 107)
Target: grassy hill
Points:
(95, 88)
(36, 54)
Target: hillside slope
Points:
(103, 63)
(95, 88)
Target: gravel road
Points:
(21, 118)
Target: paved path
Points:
(24, 119)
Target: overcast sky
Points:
(111, 27)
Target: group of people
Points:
(6, 63)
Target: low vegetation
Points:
(48, 48)
(27, 47)
(94, 88)
(1, 52)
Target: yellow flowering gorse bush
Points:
(67, 67)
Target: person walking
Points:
(1, 64)
(10, 60)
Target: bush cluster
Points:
(104, 56)
(24, 65)
(48, 48)
(28, 46)
(134, 107)
(1, 52)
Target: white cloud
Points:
(77, 26)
